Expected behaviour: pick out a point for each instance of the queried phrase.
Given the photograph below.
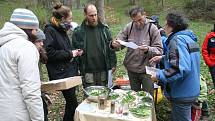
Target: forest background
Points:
(201, 14)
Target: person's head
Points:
(175, 22)
(62, 16)
(40, 37)
(138, 16)
(25, 20)
(155, 19)
(90, 13)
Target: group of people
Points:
(90, 52)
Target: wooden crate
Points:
(61, 84)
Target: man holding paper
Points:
(144, 42)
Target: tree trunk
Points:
(78, 3)
(100, 8)
(47, 3)
(133, 2)
(68, 3)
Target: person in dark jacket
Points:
(61, 62)
(94, 38)
(181, 67)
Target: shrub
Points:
(201, 9)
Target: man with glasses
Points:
(94, 38)
(147, 37)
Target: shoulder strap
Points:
(130, 31)
(150, 24)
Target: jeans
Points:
(141, 79)
(181, 111)
(212, 71)
(71, 104)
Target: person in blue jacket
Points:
(181, 67)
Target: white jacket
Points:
(20, 94)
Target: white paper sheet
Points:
(151, 70)
(156, 86)
(110, 79)
(128, 44)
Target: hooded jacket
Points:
(182, 66)
(20, 94)
(208, 49)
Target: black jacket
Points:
(60, 61)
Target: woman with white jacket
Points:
(20, 94)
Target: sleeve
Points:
(205, 53)
(123, 34)
(28, 72)
(54, 52)
(179, 62)
(113, 59)
(75, 42)
(155, 47)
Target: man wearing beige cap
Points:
(20, 94)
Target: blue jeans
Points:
(181, 111)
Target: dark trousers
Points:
(212, 71)
(45, 108)
(205, 110)
(138, 80)
(71, 104)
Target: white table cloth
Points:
(88, 111)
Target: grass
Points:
(117, 19)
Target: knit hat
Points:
(24, 18)
(155, 18)
(40, 35)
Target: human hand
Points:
(77, 52)
(113, 69)
(143, 47)
(115, 44)
(153, 77)
(155, 60)
(80, 52)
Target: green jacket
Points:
(79, 39)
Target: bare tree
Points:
(68, 3)
(101, 12)
(78, 4)
(133, 2)
(48, 3)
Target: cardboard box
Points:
(61, 84)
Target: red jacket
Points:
(208, 49)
